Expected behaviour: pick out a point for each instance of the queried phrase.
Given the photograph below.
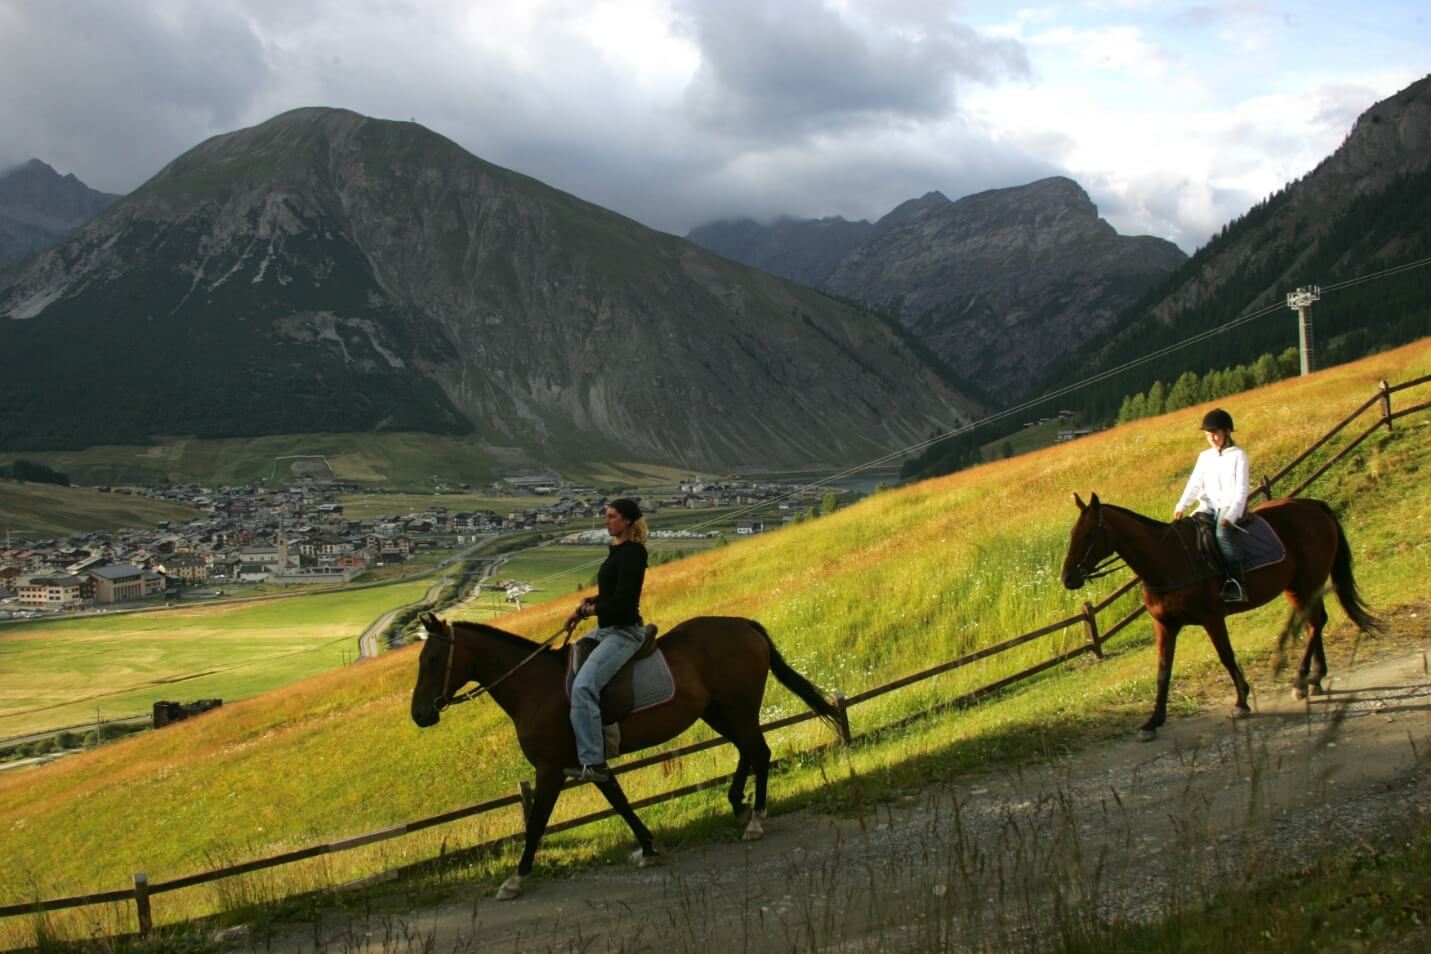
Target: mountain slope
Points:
(986, 282)
(328, 272)
(38, 206)
(1361, 211)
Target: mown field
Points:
(65, 672)
(394, 461)
(28, 511)
(362, 506)
(905, 579)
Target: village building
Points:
(117, 584)
(55, 591)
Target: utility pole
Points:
(1300, 301)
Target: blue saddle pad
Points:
(651, 681)
(1260, 544)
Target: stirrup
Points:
(589, 773)
(1232, 592)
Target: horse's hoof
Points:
(1299, 692)
(1240, 712)
(511, 888)
(1147, 735)
(640, 859)
(754, 830)
(1315, 688)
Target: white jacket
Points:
(1219, 483)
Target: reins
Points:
(444, 701)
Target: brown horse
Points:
(1180, 589)
(719, 663)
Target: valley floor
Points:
(1120, 831)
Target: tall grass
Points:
(899, 582)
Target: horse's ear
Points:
(1093, 500)
(1079, 500)
(431, 623)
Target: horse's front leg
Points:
(1217, 631)
(1167, 634)
(645, 855)
(549, 782)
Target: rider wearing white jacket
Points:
(1219, 486)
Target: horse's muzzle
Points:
(1073, 579)
(426, 715)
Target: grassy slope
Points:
(51, 510)
(60, 672)
(892, 585)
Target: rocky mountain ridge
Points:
(38, 206)
(986, 282)
(324, 271)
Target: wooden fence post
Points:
(141, 903)
(524, 790)
(1090, 628)
(1265, 488)
(1385, 403)
(842, 716)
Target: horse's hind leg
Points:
(646, 855)
(715, 718)
(1217, 631)
(1314, 659)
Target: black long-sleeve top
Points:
(618, 585)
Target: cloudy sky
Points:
(1175, 116)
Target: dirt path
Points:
(1124, 828)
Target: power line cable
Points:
(1047, 396)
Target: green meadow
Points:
(31, 510)
(66, 672)
(888, 586)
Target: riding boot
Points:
(1234, 590)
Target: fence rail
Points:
(142, 890)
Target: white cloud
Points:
(1175, 117)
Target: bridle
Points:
(1104, 566)
(445, 699)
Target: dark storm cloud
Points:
(113, 91)
(796, 67)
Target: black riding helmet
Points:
(1216, 420)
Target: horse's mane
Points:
(1134, 514)
(511, 639)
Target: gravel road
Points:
(1119, 830)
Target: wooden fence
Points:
(1087, 619)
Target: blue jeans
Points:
(1228, 540)
(615, 645)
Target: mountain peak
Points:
(38, 206)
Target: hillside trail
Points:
(1120, 829)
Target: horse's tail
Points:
(1345, 582)
(801, 686)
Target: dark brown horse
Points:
(719, 663)
(1180, 589)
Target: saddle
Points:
(1207, 549)
(618, 697)
(1260, 544)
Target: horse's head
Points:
(1088, 545)
(434, 663)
